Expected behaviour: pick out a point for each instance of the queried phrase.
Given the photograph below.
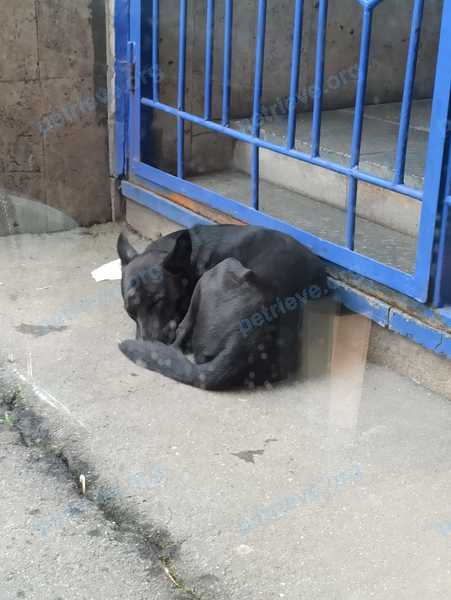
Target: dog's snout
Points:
(150, 330)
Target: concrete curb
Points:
(62, 441)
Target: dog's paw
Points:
(134, 350)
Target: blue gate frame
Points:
(430, 280)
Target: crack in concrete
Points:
(152, 544)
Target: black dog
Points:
(213, 277)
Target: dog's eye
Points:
(131, 294)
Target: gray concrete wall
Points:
(53, 113)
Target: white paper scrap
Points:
(112, 271)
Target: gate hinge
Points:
(131, 58)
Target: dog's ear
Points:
(179, 258)
(239, 274)
(125, 250)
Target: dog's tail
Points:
(217, 374)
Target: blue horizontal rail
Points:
(319, 162)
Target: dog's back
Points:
(274, 257)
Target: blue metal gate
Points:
(429, 280)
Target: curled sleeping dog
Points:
(190, 290)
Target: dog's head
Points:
(157, 285)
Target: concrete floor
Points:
(333, 487)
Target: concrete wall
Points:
(53, 114)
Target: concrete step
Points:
(323, 220)
(380, 131)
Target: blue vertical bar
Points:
(442, 291)
(442, 287)
(255, 173)
(409, 81)
(294, 81)
(258, 86)
(319, 76)
(435, 158)
(122, 37)
(155, 47)
(350, 213)
(228, 23)
(358, 124)
(135, 98)
(181, 90)
(209, 45)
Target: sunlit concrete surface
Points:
(336, 487)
